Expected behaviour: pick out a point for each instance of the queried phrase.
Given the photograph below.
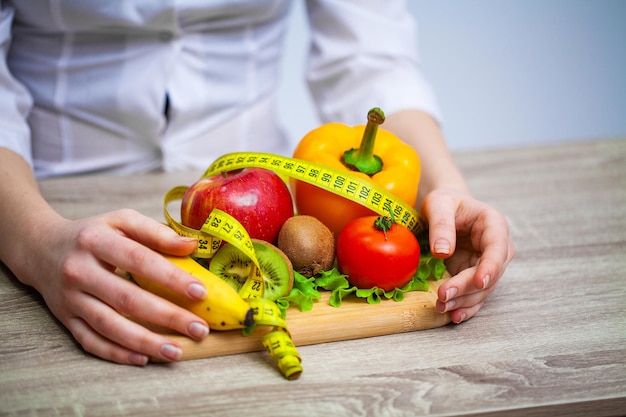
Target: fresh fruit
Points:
(308, 243)
(231, 265)
(374, 251)
(258, 198)
(223, 308)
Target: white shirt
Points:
(84, 83)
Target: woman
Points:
(104, 87)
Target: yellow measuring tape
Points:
(220, 226)
(344, 184)
(277, 342)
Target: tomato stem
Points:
(383, 223)
(363, 158)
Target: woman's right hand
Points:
(73, 267)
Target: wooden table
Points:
(551, 340)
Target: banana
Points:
(223, 308)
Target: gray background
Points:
(506, 73)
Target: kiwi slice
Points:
(230, 264)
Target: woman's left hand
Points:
(475, 241)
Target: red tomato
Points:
(371, 257)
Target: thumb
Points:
(440, 212)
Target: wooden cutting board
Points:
(354, 319)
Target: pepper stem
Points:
(363, 158)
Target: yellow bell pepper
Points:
(366, 151)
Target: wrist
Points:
(423, 133)
(31, 244)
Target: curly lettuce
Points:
(305, 291)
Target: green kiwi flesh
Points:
(230, 264)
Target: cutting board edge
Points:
(416, 312)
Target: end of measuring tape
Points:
(277, 342)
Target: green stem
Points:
(384, 223)
(363, 158)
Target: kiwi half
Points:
(230, 264)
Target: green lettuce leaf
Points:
(305, 291)
(303, 294)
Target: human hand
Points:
(75, 273)
(474, 239)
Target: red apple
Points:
(257, 197)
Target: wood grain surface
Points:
(550, 341)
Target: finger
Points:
(151, 233)
(458, 286)
(497, 251)
(135, 258)
(115, 329)
(132, 301)
(467, 300)
(462, 314)
(99, 346)
(467, 306)
(464, 307)
(440, 211)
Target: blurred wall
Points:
(506, 73)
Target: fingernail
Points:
(442, 247)
(198, 330)
(196, 291)
(462, 319)
(486, 281)
(450, 293)
(137, 359)
(187, 239)
(450, 305)
(171, 352)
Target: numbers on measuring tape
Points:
(221, 226)
(345, 184)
